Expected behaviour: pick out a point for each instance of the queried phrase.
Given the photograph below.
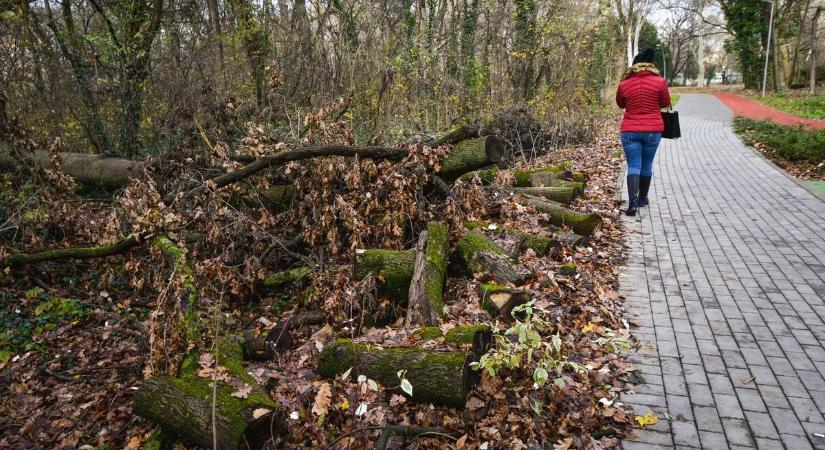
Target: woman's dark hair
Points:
(647, 56)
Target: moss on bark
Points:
(469, 155)
(584, 224)
(549, 176)
(392, 268)
(182, 405)
(485, 175)
(440, 378)
(286, 276)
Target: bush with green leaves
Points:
(524, 346)
(790, 144)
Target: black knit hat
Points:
(647, 56)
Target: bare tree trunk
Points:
(812, 85)
(215, 24)
(794, 66)
(700, 61)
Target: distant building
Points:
(727, 77)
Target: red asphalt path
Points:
(743, 107)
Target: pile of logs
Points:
(412, 280)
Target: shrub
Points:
(791, 144)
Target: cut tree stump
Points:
(499, 301)
(393, 270)
(561, 194)
(584, 224)
(481, 255)
(426, 294)
(469, 155)
(182, 405)
(440, 378)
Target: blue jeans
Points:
(639, 150)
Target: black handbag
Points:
(671, 120)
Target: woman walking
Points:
(642, 94)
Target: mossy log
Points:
(549, 176)
(265, 346)
(460, 133)
(584, 224)
(479, 336)
(567, 238)
(277, 198)
(541, 245)
(440, 378)
(393, 270)
(561, 194)
(499, 301)
(283, 277)
(481, 255)
(469, 155)
(91, 170)
(406, 431)
(84, 252)
(426, 293)
(176, 257)
(486, 175)
(183, 406)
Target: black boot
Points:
(644, 187)
(633, 194)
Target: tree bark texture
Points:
(182, 405)
(426, 294)
(440, 378)
(580, 223)
(469, 155)
(481, 255)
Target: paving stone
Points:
(769, 444)
(761, 424)
(786, 420)
(685, 433)
(751, 400)
(737, 432)
(774, 397)
(713, 440)
(796, 442)
(707, 418)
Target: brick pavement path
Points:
(725, 283)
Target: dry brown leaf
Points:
(322, 400)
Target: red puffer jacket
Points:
(643, 95)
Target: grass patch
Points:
(790, 144)
(809, 107)
(674, 99)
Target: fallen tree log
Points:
(541, 245)
(425, 305)
(561, 194)
(499, 300)
(481, 255)
(183, 406)
(460, 133)
(469, 155)
(584, 224)
(567, 238)
(479, 336)
(83, 252)
(283, 277)
(393, 270)
(266, 346)
(548, 176)
(214, 183)
(440, 378)
(277, 198)
(296, 154)
(92, 170)
(485, 175)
